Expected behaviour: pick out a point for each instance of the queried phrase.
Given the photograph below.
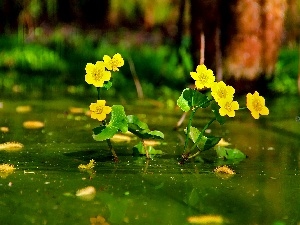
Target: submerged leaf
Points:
(229, 153)
(139, 149)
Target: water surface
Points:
(264, 190)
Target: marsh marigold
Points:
(203, 77)
(99, 110)
(114, 62)
(221, 91)
(96, 74)
(256, 105)
(228, 107)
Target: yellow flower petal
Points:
(96, 74)
(199, 84)
(220, 91)
(264, 111)
(194, 75)
(107, 60)
(228, 107)
(99, 110)
(203, 77)
(256, 105)
(114, 62)
(89, 68)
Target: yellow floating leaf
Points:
(223, 143)
(151, 142)
(76, 110)
(23, 109)
(224, 169)
(87, 193)
(100, 220)
(33, 124)
(6, 169)
(4, 129)
(206, 219)
(121, 138)
(11, 146)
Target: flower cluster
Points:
(98, 74)
(223, 94)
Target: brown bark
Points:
(242, 37)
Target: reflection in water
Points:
(264, 190)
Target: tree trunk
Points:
(244, 35)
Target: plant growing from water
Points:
(99, 75)
(219, 97)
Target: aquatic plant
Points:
(219, 97)
(99, 75)
(88, 166)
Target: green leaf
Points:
(229, 153)
(215, 108)
(118, 118)
(211, 142)
(135, 123)
(183, 103)
(194, 134)
(139, 149)
(141, 129)
(104, 132)
(204, 143)
(192, 98)
(147, 134)
(199, 100)
(107, 84)
(118, 122)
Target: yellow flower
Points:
(220, 91)
(99, 110)
(114, 62)
(256, 105)
(228, 107)
(96, 74)
(203, 77)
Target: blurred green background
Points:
(45, 45)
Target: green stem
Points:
(98, 90)
(107, 140)
(202, 132)
(188, 128)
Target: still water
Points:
(42, 189)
